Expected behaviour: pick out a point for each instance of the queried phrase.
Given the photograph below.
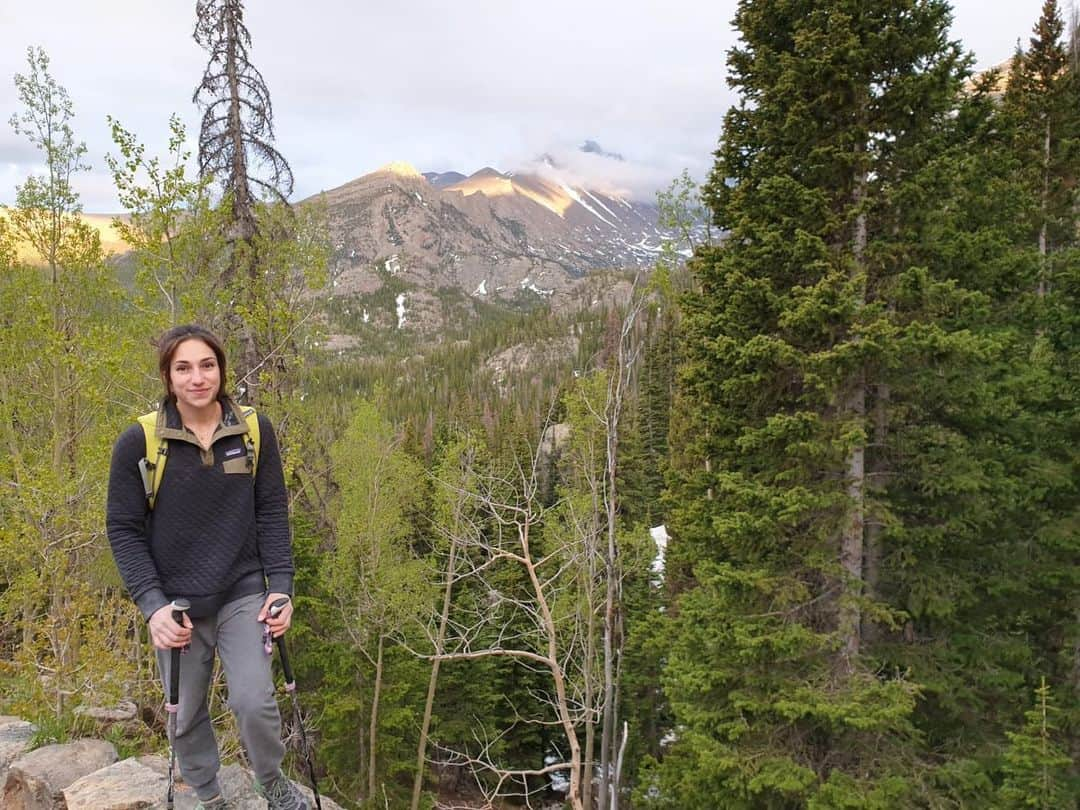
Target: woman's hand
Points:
(165, 633)
(279, 624)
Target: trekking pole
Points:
(290, 686)
(179, 608)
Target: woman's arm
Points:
(272, 513)
(125, 523)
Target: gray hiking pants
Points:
(236, 636)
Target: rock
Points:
(141, 784)
(124, 711)
(85, 775)
(36, 780)
(126, 785)
(15, 736)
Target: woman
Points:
(217, 534)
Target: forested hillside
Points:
(790, 524)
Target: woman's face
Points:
(194, 375)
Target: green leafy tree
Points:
(378, 586)
(172, 228)
(68, 356)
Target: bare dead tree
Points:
(501, 528)
(237, 134)
(236, 149)
(603, 422)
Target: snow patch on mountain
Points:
(577, 198)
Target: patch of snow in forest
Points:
(400, 301)
(366, 317)
(660, 537)
(560, 782)
(393, 265)
(481, 288)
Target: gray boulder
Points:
(36, 780)
(141, 784)
(15, 736)
(126, 785)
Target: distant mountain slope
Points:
(111, 242)
(489, 236)
(443, 179)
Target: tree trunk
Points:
(590, 654)
(243, 215)
(851, 539)
(877, 482)
(421, 748)
(590, 745)
(617, 781)
(609, 688)
(1044, 207)
(562, 704)
(373, 727)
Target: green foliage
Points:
(1036, 765)
(64, 352)
(175, 233)
(848, 394)
(899, 285)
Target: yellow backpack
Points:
(158, 450)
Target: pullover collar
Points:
(171, 426)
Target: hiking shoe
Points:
(217, 803)
(281, 794)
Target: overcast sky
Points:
(444, 86)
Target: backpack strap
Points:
(152, 465)
(252, 439)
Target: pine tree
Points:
(1041, 115)
(1041, 97)
(1036, 765)
(819, 457)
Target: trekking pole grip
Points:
(275, 608)
(179, 608)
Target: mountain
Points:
(489, 237)
(443, 179)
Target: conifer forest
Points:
(852, 413)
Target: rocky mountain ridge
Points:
(489, 237)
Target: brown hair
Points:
(171, 339)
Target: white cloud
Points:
(441, 85)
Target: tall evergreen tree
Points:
(830, 498)
(1041, 119)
